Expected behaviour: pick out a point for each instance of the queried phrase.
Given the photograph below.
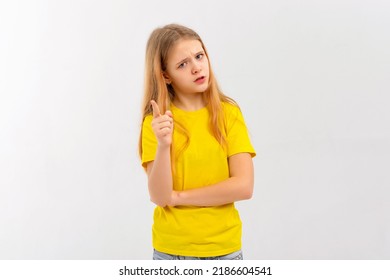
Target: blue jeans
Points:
(157, 255)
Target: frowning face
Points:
(187, 68)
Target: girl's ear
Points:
(166, 78)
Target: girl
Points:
(195, 149)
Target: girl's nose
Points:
(196, 69)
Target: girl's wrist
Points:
(163, 146)
(175, 198)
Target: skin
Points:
(159, 170)
(186, 62)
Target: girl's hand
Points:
(174, 199)
(162, 125)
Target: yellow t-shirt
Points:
(190, 230)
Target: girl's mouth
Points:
(200, 80)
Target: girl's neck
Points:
(189, 103)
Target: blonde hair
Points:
(155, 88)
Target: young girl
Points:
(196, 151)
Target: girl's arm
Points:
(238, 187)
(159, 171)
(160, 177)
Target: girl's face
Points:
(187, 67)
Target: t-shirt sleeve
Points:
(149, 141)
(237, 135)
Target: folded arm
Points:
(239, 186)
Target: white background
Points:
(311, 77)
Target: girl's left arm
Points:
(239, 186)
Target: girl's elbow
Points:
(248, 190)
(160, 203)
(248, 194)
(161, 200)
(245, 184)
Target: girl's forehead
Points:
(185, 47)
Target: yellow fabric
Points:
(199, 231)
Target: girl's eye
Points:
(199, 56)
(182, 65)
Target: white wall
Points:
(312, 78)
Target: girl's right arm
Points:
(159, 171)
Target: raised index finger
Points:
(156, 110)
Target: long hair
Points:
(155, 88)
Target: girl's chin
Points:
(203, 87)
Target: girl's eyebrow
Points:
(186, 59)
(181, 61)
